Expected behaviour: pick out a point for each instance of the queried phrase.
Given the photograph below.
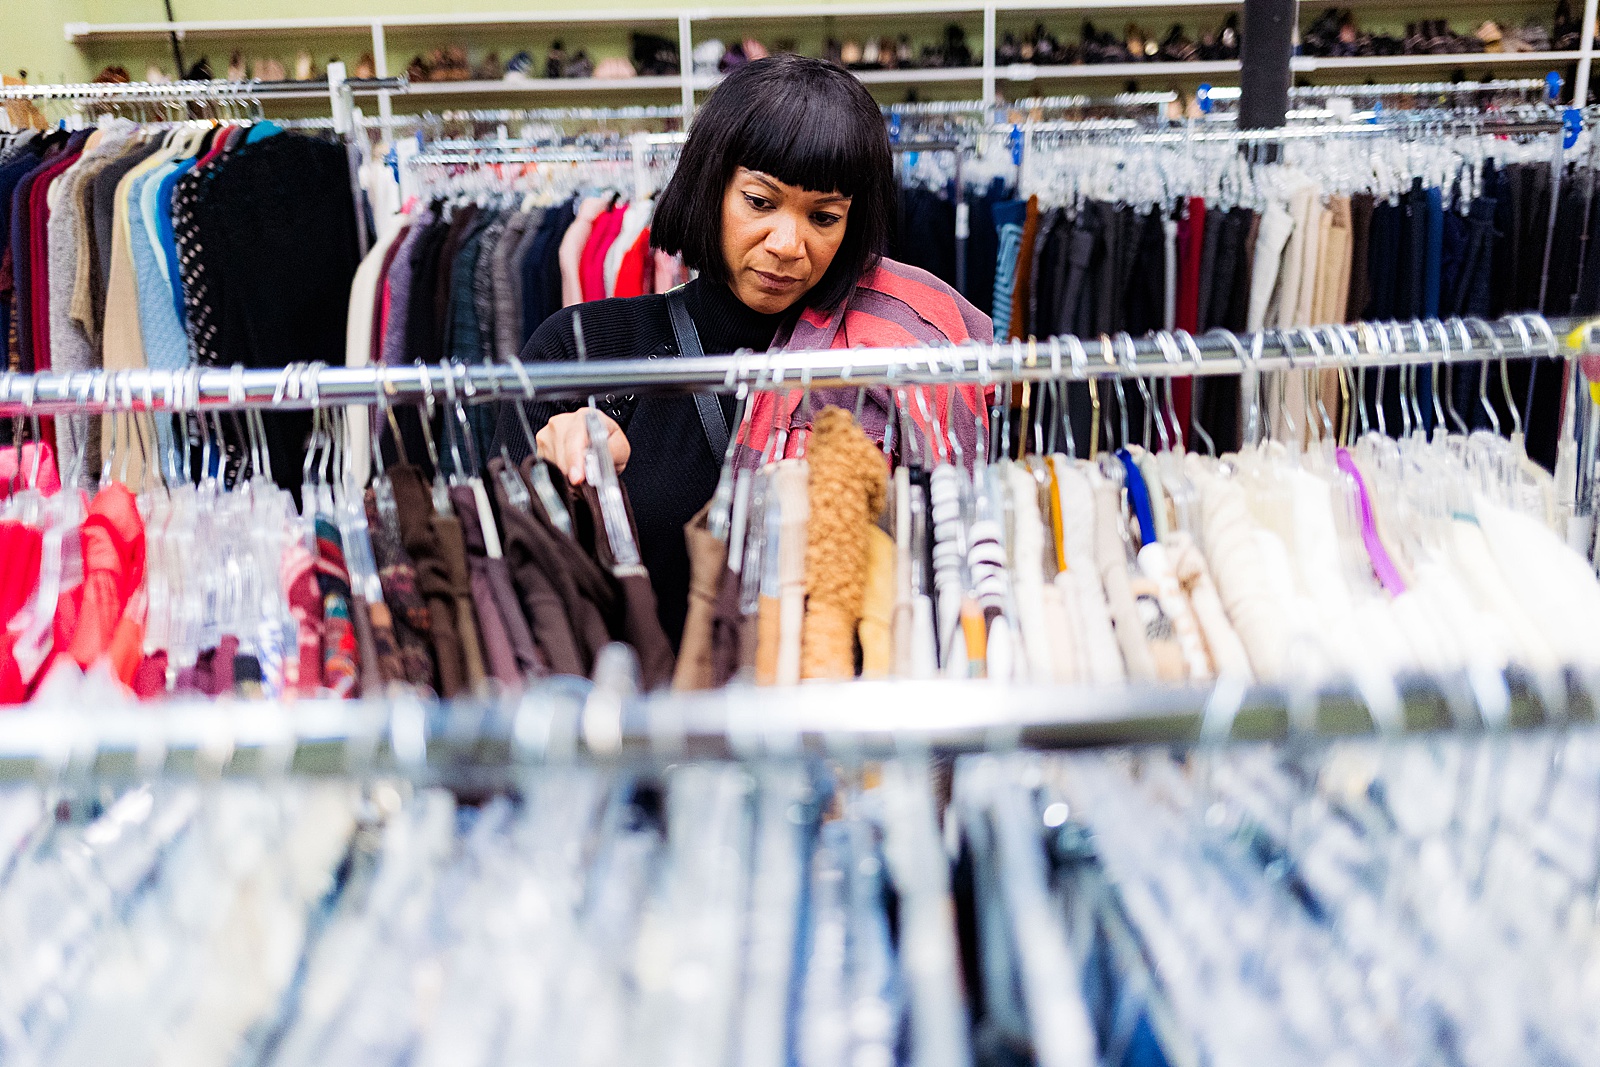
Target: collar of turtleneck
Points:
(726, 323)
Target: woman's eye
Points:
(758, 202)
(823, 218)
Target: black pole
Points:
(177, 49)
(1267, 42)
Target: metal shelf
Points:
(669, 82)
(1310, 64)
(1022, 72)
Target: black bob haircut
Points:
(805, 123)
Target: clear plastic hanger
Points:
(601, 473)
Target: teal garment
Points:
(261, 131)
(166, 347)
(166, 235)
(1009, 217)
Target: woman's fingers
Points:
(564, 441)
(621, 450)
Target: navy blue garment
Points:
(541, 297)
(925, 233)
(1413, 253)
(982, 243)
(1452, 256)
(11, 174)
(1383, 260)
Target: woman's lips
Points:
(775, 283)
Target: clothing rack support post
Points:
(1586, 433)
(686, 65)
(989, 43)
(963, 227)
(1580, 87)
(380, 67)
(343, 104)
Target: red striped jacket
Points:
(895, 305)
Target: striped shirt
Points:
(893, 306)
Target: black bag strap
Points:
(688, 338)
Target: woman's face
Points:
(778, 240)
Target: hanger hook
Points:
(1483, 375)
(1151, 415)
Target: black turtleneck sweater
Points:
(672, 472)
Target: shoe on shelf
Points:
(366, 68)
(579, 66)
(655, 55)
(490, 70)
(1564, 28)
(1176, 47)
(1008, 52)
(519, 68)
(707, 56)
(236, 68)
(1534, 37)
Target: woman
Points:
(781, 201)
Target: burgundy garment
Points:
(39, 243)
(1191, 246)
(405, 610)
(592, 594)
(497, 655)
(453, 550)
(641, 625)
(150, 678)
(380, 305)
(415, 505)
(21, 250)
(530, 663)
(534, 568)
(212, 673)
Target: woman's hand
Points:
(565, 440)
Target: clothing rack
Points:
(1456, 124)
(481, 742)
(217, 89)
(1367, 92)
(1159, 100)
(1159, 355)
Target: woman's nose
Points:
(784, 239)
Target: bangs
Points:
(815, 138)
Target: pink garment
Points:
(297, 572)
(592, 270)
(669, 271)
(49, 478)
(573, 242)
